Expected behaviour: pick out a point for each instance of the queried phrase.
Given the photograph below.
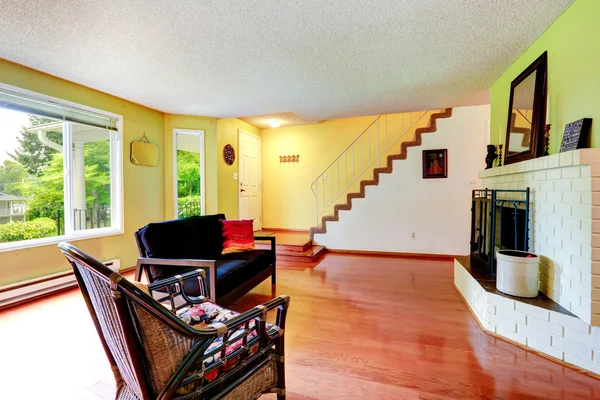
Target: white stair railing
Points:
(360, 156)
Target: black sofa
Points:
(175, 247)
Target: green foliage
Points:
(12, 175)
(97, 173)
(46, 194)
(31, 153)
(188, 206)
(38, 228)
(188, 174)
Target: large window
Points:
(60, 170)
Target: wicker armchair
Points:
(188, 349)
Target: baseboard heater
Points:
(25, 291)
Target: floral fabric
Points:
(200, 316)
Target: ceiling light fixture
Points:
(275, 124)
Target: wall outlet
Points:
(472, 184)
(235, 176)
(413, 235)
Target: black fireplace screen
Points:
(499, 221)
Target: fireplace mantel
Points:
(582, 157)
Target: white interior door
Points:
(250, 182)
(188, 159)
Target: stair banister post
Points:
(338, 177)
(377, 143)
(317, 201)
(330, 184)
(353, 158)
(386, 133)
(369, 144)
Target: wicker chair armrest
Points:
(259, 314)
(207, 265)
(179, 280)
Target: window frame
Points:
(116, 177)
(200, 134)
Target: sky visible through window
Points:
(11, 123)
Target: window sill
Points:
(89, 234)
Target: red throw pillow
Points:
(237, 236)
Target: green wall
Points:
(573, 45)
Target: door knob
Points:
(242, 190)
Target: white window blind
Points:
(49, 109)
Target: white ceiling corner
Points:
(317, 59)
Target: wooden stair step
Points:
(299, 248)
(314, 254)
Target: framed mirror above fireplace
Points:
(527, 113)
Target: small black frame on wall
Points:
(435, 164)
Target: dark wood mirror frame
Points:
(536, 142)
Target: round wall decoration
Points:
(228, 154)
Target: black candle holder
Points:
(547, 139)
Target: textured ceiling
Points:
(316, 58)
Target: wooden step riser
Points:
(287, 247)
(302, 259)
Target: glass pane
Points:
(91, 177)
(522, 115)
(31, 177)
(188, 175)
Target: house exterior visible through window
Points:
(60, 170)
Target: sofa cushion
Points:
(170, 239)
(235, 269)
(238, 236)
(264, 257)
(209, 233)
(196, 238)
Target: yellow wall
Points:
(209, 126)
(144, 186)
(288, 202)
(228, 133)
(573, 64)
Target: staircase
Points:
(296, 250)
(359, 165)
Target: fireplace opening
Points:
(499, 221)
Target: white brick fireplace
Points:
(565, 232)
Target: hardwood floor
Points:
(359, 327)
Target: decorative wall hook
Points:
(286, 159)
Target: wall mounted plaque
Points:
(228, 154)
(576, 135)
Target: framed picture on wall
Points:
(435, 164)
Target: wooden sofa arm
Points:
(268, 238)
(208, 265)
